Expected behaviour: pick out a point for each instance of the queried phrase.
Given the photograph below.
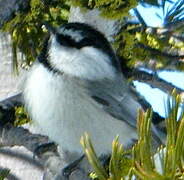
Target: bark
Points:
(11, 136)
(167, 56)
(153, 80)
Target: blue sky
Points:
(156, 97)
(149, 15)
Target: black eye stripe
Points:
(69, 42)
(87, 42)
(65, 40)
(78, 35)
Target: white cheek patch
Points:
(87, 63)
(60, 55)
(97, 64)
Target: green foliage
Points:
(26, 27)
(173, 161)
(144, 163)
(113, 9)
(28, 33)
(21, 116)
(92, 157)
(144, 144)
(135, 43)
(126, 44)
(119, 164)
(142, 153)
(4, 173)
(176, 44)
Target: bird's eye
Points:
(65, 40)
(86, 42)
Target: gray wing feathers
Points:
(120, 105)
(125, 110)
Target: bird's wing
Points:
(125, 108)
(120, 105)
(115, 99)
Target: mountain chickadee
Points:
(76, 86)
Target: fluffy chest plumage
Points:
(64, 111)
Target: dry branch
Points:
(11, 136)
(154, 81)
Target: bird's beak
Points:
(50, 28)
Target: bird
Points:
(75, 86)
